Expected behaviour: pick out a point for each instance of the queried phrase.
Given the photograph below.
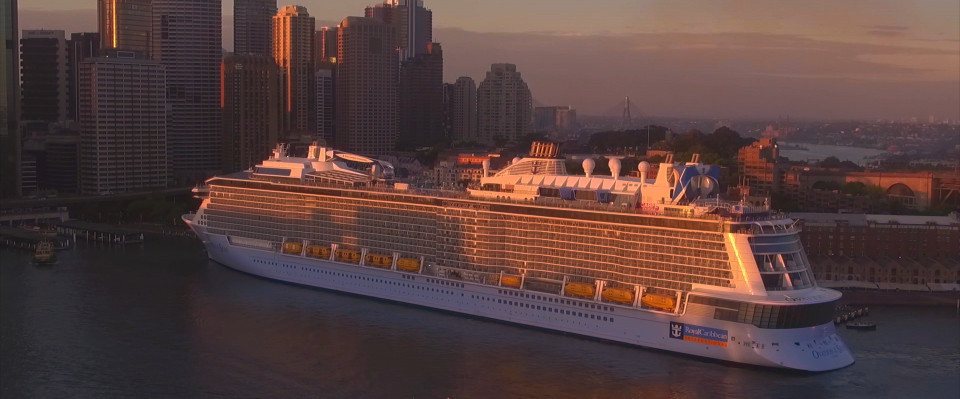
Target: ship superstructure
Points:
(655, 260)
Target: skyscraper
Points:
(82, 46)
(293, 30)
(125, 25)
(251, 109)
(187, 41)
(123, 140)
(366, 87)
(253, 26)
(9, 100)
(413, 22)
(421, 99)
(325, 106)
(504, 106)
(43, 62)
(324, 45)
(464, 110)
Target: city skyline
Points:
(739, 59)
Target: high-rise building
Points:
(760, 168)
(325, 45)
(187, 40)
(253, 26)
(81, 46)
(123, 119)
(9, 101)
(413, 22)
(421, 99)
(125, 25)
(504, 106)
(293, 30)
(464, 111)
(555, 119)
(251, 109)
(43, 63)
(326, 110)
(366, 87)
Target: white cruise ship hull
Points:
(817, 348)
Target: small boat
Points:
(348, 255)
(862, 326)
(292, 247)
(510, 281)
(44, 253)
(378, 260)
(618, 295)
(408, 264)
(317, 251)
(659, 302)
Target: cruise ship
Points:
(655, 260)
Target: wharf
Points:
(21, 238)
(97, 232)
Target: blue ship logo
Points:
(676, 330)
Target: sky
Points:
(813, 59)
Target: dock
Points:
(28, 239)
(97, 232)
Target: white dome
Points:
(644, 166)
(588, 166)
(614, 165)
(516, 160)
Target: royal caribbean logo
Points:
(698, 334)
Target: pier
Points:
(96, 232)
(28, 239)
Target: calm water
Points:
(856, 155)
(161, 321)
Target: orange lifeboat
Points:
(292, 247)
(408, 264)
(348, 255)
(658, 301)
(317, 251)
(618, 295)
(379, 260)
(583, 290)
(510, 281)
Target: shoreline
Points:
(893, 298)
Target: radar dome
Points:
(644, 166)
(614, 165)
(516, 160)
(588, 166)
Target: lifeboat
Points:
(618, 295)
(583, 290)
(317, 251)
(348, 255)
(408, 264)
(292, 247)
(510, 281)
(658, 301)
(379, 260)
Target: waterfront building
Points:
(325, 106)
(123, 125)
(43, 70)
(421, 99)
(9, 102)
(253, 26)
(412, 21)
(126, 25)
(555, 119)
(293, 30)
(464, 104)
(366, 86)
(187, 40)
(759, 168)
(82, 45)
(251, 109)
(504, 106)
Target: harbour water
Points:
(805, 152)
(160, 320)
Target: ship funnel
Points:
(588, 165)
(486, 167)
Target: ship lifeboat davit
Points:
(317, 251)
(657, 301)
(348, 255)
(510, 281)
(379, 260)
(618, 295)
(292, 247)
(408, 264)
(583, 290)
